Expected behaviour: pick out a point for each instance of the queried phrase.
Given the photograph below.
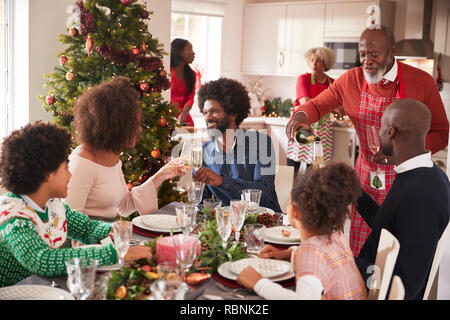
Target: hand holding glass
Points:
(186, 159)
(123, 231)
(373, 140)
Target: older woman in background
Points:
(108, 120)
(309, 85)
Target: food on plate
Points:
(196, 278)
(121, 292)
(285, 232)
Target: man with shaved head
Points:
(416, 210)
(365, 92)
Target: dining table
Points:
(214, 288)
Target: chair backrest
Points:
(284, 178)
(440, 248)
(397, 289)
(388, 248)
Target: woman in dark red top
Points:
(183, 79)
(309, 85)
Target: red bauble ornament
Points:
(50, 100)
(144, 14)
(88, 45)
(135, 52)
(126, 2)
(162, 122)
(70, 76)
(155, 153)
(143, 86)
(73, 32)
(163, 73)
(63, 60)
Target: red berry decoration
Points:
(155, 153)
(135, 52)
(50, 100)
(143, 86)
(126, 2)
(163, 73)
(63, 60)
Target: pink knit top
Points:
(98, 190)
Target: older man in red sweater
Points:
(365, 93)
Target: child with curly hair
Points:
(323, 263)
(34, 224)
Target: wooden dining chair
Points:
(397, 289)
(284, 178)
(388, 248)
(431, 288)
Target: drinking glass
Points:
(223, 218)
(168, 270)
(186, 159)
(81, 276)
(254, 236)
(195, 192)
(168, 290)
(252, 196)
(123, 231)
(186, 217)
(317, 155)
(185, 251)
(197, 158)
(238, 216)
(373, 141)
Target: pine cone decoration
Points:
(267, 220)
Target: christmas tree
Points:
(108, 38)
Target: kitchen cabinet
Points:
(345, 142)
(276, 37)
(442, 25)
(346, 19)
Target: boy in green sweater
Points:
(35, 226)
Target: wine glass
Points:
(195, 192)
(186, 159)
(373, 141)
(252, 197)
(186, 216)
(123, 231)
(81, 276)
(223, 218)
(186, 248)
(317, 155)
(238, 216)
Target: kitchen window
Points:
(200, 22)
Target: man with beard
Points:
(365, 93)
(416, 209)
(234, 159)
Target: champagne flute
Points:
(186, 160)
(373, 141)
(223, 218)
(238, 217)
(197, 158)
(317, 160)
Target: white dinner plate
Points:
(224, 271)
(262, 210)
(157, 222)
(267, 268)
(275, 235)
(34, 292)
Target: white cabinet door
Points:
(279, 141)
(305, 28)
(264, 39)
(344, 146)
(346, 19)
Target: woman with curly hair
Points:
(183, 79)
(234, 159)
(323, 263)
(34, 224)
(108, 120)
(309, 85)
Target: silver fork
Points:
(232, 292)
